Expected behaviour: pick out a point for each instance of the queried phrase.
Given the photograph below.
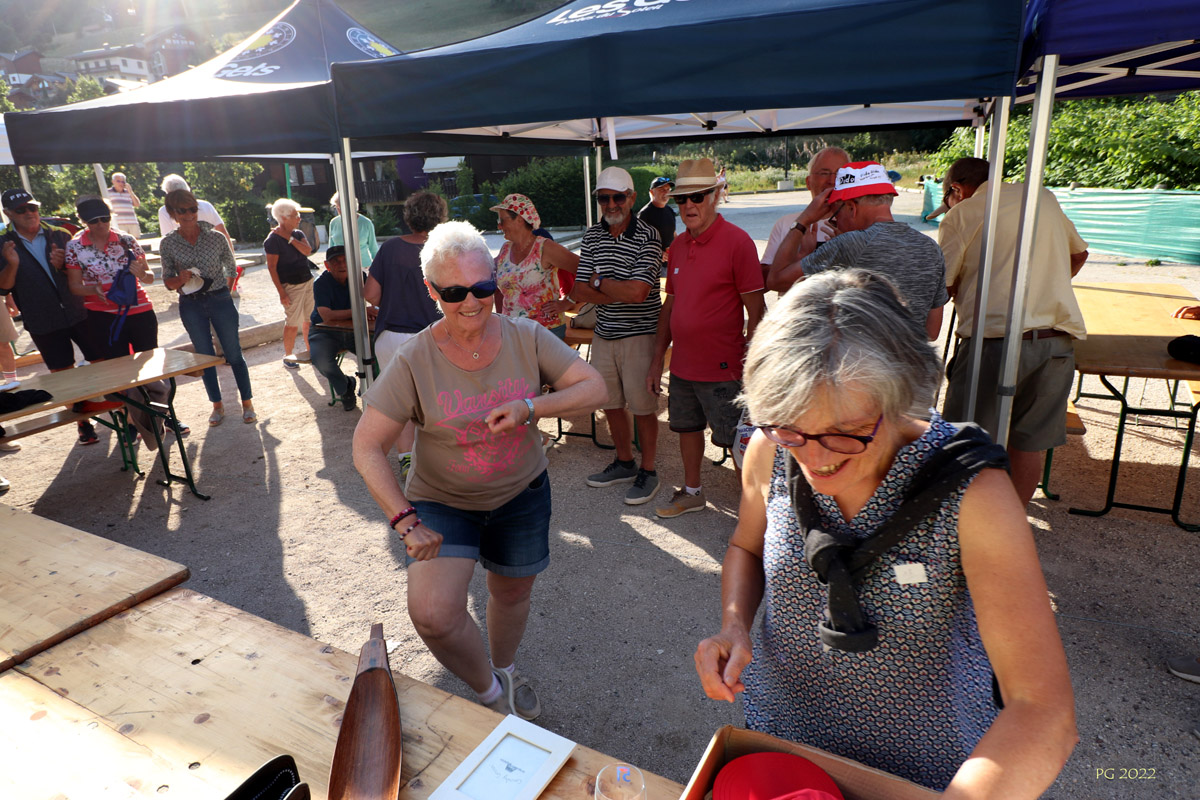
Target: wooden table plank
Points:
(93, 380)
(1128, 328)
(56, 581)
(88, 757)
(194, 681)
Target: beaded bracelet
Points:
(410, 529)
(402, 515)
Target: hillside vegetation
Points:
(410, 25)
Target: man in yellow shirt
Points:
(1052, 317)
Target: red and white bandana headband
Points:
(861, 178)
(523, 207)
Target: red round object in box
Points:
(774, 776)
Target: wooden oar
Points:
(366, 761)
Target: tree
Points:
(86, 88)
(1115, 143)
(229, 185)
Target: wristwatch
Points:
(529, 405)
(799, 226)
(595, 282)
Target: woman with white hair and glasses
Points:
(207, 212)
(478, 489)
(287, 250)
(907, 625)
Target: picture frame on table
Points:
(515, 762)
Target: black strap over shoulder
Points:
(841, 562)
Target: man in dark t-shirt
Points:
(658, 214)
(331, 301)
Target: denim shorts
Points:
(512, 540)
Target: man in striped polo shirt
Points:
(619, 264)
(123, 201)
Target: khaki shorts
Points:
(624, 364)
(8, 331)
(1039, 409)
(301, 308)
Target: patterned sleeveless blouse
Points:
(918, 703)
(527, 286)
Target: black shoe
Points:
(349, 399)
(87, 434)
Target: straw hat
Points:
(695, 175)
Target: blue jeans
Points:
(323, 347)
(197, 312)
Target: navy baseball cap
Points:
(15, 198)
(335, 251)
(661, 181)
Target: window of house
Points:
(307, 171)
(292, 180)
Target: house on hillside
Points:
(172, 51)
(38, 90)
(123, 62)
(24, 62)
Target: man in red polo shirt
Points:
(714, 302)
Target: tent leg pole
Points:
(25, 179)
(100, 181)
(980, 139)
(343, 172)
(987, 247)
(587, 191)
(1035, 170)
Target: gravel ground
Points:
(292, 535)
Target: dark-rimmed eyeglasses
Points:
(187, 209)
(615, 199)
(845, 443)
(97, 219)
(696, 197)
(456, 294)
(28, 208)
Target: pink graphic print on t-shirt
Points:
(484, 453)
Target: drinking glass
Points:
(620, 782)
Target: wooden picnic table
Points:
(1129, 326)
(188, 696)
(71, 386)
(56, 581)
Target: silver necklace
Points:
(472, 354)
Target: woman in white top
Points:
(167, 224)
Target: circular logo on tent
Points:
(370, 44)
(274, 39)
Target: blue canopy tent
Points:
(584, 71)
(270, 94)
(1108, 48)
(1096, 48)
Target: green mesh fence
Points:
(1136, 223)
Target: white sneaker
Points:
(9, 447)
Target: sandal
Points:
(216, 418)
(248, 416)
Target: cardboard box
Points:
(856, 781)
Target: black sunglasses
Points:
(97, 219)
(187, 210)
(25, 209)
(845, 443)
(456, 294)
(616, 199)
(696, 197)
